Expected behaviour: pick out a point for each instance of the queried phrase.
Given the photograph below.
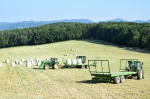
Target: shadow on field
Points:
(90, 82)
(98, 41)
(38, 68)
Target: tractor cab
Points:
(134, 65)
(54, 59)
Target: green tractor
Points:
(133, 65)
(52, 63)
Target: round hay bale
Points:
(68, 61)
(16, 61)
(28, 64)
(1, 64)
(13, 64)
(79, 61)
(39, 63)
(20, 62)
(36, 59)
(30, 59)
(47, 58)
(74, 61)
(32, 62)
(6, 61)
(27, 60)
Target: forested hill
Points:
(123, 33)
(27, 24)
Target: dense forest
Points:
(123, 33)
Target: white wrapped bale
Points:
(68, 61)
(47, 58)
(16, 61)
(32, 62)
(20, 62)
(28, 64)
(1, 64)
(79, 61)
(74, 61)
(6, 61)
(13, 64)
(27, 60)
(36, 59)
(39, 63)
(30, 59)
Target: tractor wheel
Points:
(116, 80)
(46, 67)
(139, 74)
(56, 66)
(121, 79)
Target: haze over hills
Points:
(27, 24)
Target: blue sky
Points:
(95, 10)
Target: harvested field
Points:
(21, 82)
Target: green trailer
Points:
(128, 68)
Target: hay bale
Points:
(6, 61)
(68, 61)
(16, 61)
(27, 60)
(39, 63)
(1, 64)
(36, 59)
(13, 64)
(32, 62)
(20, 62)
(47, 58)
(30, 59)
(28, 64)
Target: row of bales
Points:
(74, 61)
(28, 62)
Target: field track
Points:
(21, 82)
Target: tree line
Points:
(123, 33)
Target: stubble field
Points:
(21, 82)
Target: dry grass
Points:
(20, 82)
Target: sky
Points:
(94, 10)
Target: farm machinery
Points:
(52, 63)
(131, 68)
(80, 62)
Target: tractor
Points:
(52, 63)
(135, 66)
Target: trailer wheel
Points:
(82, 66)
(56, 66)
(86, 67)
(46, 66)
(142, 74)
(139, 74)
(121, 79)
(116, 80)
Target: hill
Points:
(27, 24)
(34, 83)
